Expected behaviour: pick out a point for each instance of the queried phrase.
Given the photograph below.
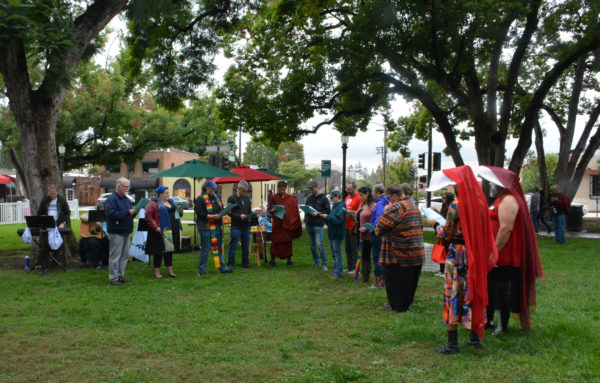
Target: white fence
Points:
(15, 212)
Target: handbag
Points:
(438, 254)
(54, 238)
(168, 241)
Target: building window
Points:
(70, 194)
(595, 185)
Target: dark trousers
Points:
(366, 260)
(168, 259)
(504, 289)
(351, 246)
(401, 285)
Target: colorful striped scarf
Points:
(213, 228)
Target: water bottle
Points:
(27, 262)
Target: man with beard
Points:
(285, 229)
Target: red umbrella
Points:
(5, 180)
(247, 174)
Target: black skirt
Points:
(155, 244)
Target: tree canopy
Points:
(468, 63)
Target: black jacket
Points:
(321, 204)
(202, 213)
(64, 213)
(242, 206)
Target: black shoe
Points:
(447, 349)
(272, 264)
(246, 267)
(115, 283)
(124, 280)
(472, 343)
(489, 325)
(499, 331)
(224, 270)
(290, 263)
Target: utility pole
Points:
(240, 146)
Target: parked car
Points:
(181, 201)
(436, 203)
(102, 199)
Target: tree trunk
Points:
(543, 169)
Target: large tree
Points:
(343, 60)
(173, 41)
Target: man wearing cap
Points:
(240, 225)
(209, 222)
(288, 228)
(314, 224)
(119, 223)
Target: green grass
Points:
(284, 324)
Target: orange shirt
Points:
(510, 255)
(352, 204)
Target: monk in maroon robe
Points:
(287, 229)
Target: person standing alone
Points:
(314, 224)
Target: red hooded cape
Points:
(531, 264)
(479, 240)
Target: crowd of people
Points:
(491, 254)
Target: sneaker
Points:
(115, 282)
(350, 271)
(98, 268)
(373, 286)
(439, 274)
(201, 274)
(324, 268)
(331, 276)
(122, 279)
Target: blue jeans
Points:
(236, 235)
(206, 248)
(535, 214)
(375, 251)
(559, 224)
(336, 255)
(315, 239)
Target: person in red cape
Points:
(511, 284)
(477, 255)
(287, 229)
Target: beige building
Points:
(590, 185)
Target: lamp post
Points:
(61, 158)
(345, 139)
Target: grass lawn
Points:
(284, 324)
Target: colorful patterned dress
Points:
(457, 300)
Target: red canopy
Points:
(247, 174)
(5, 180)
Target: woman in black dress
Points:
(163, 221)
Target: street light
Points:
(345, 139)
(61, 158)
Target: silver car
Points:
(102, 199)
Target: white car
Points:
(102, 199)
(436, 203)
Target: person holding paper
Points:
(285, 229)
(381, 201)
(119, 223)
(162, 218)
(365, 212)
(402, 249)
(314, 223)
(335, 232)
(240, 225)
(352, 203)
(209, 221)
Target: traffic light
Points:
(422, 161)
(437, 161)
(225, 163)
(423, 179)
(213, 160)
(421, 186)
(412, 174)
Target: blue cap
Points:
(335, 192)
(210, 184)
(161, 189)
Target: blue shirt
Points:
(381, 203)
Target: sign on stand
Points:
(325, 168)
